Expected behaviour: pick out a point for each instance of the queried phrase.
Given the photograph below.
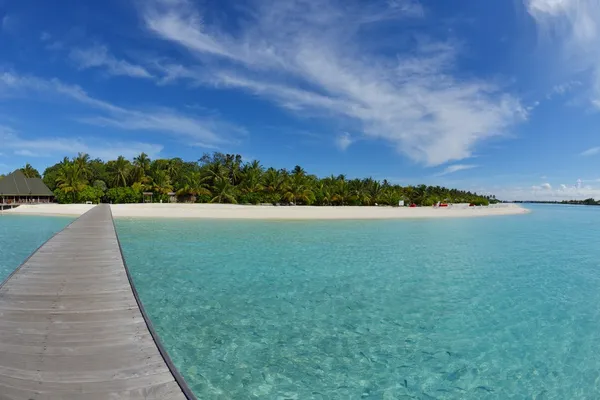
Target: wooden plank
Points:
(72, 327)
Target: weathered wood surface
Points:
(70, 325)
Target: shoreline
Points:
(261, 212)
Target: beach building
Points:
(15, 188)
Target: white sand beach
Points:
(229, 211)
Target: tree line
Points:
(226, 178)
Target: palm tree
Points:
(161, 182)
(272, 181)
(174, 168)
(233, 163)
(195, 184)
(375, 190)
(119, 171)
(82, 160)
(255, 165)
(141, 166)
(142, 162)
(296, 189)
(390, 197)
(215, 171)
(223, 191)
(71, 179)
(225, 178)
(251, 181)
(30, 172)
(298, 170)
(341, 191)
(359, 192)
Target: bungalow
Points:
(15, 188)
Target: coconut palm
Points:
(341, 193)
(161, 182)
(119, 171)
(322, 192)
(142, 161)
(71, 179)
(226, 178)
(359, 193)
(233, 164)
(223, 191)
(141, 167)
(298, 170)
(251, 181)
(272, 181)
(216, 171)
(82, 160)
(195, 184)
(174, 168)
(296, 189)
(30, 172)
(375, 190)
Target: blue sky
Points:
(495, 96)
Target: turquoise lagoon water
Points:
(486, 308)
(21, 235)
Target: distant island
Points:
(226, 178)
(586, 202)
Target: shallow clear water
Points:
(485, 308)
(21, 235)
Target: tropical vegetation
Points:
(226, 178)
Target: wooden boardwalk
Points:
(72, 327)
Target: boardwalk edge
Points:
(163, 352)
(40, 246)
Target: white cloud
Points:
(455, 168)
(184, 26)
(571, 29)
(591, 151)
(318, 58)
(546, 192)
(565, 87)
(206, 131)
(343, 141)
(63, 146)
(45, 36)
(26, 153)
(99, 57)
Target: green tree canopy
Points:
(30, 172)
(227, 178)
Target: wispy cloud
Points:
(591, 152)
(318, 58)
(455, 168)
(99, 57)
(206, 131)
(62, 146)
(26, 153)
(571, 29)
